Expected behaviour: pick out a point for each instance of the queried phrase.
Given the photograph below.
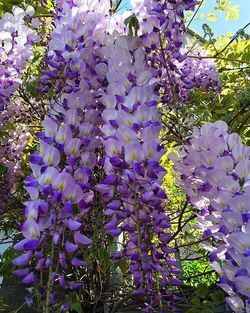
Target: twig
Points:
(238, 113)
(219, 58)
(116, 7)
(197, 258)
(198, 275)
(232, 40)
(194, 242)
(195, 13)
(180, 229)
(118, 304)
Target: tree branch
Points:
(219, 58)
(118, 304)
(232, 40)
(195, 13)
(193, 242)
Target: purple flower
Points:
(64, 134)
(21, 272)
(73, 193)
(70, 247)
(77, 262)
(23, 259)
(64, 307)
(27, 244)
(115, 232)
(29, 301)
(133, 152)
(51, 156)
(62, 260)
(30, 279)
(239, 240)
(81, 239)
(73, 224)
(236, 304)
(30, 229)
(72, 147)
(242, 284)
(35, 158)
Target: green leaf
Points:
(212, 17)
(75, 303)
(202, 291)
(195, 301)
(104, 258)
(123, 265)
(218, 297)
(76, 306)
(12, 2)
(207, 30)
(3, 169)
(133, 25)
(233, 12)
(6, 5)
(32, 87)
(6, 266)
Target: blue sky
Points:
(221, 26)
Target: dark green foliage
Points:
(207, 300)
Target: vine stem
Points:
(232, 39)
(218, 58)
(137, 219)
(195, 13)
(50, 282)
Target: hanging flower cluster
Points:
(162, 27)
(215, 173)
(99, 145)
(131, 187)
(98, 162)
(59, 187)
(12, 149)
(198, 73)
(16, 49)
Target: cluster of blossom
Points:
(215, 173)
(59, 187)
(16, 49)
(110, 23)
(198, 73)
(162, 27)
(15, 129)
(12, 150)
(130, 138)
(99, 151)
(98, 6)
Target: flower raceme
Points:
(131, 165)
(16, 49)
(60, 189)
(163, 31)
(100, 141)
(215, 174)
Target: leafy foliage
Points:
(207, 300)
